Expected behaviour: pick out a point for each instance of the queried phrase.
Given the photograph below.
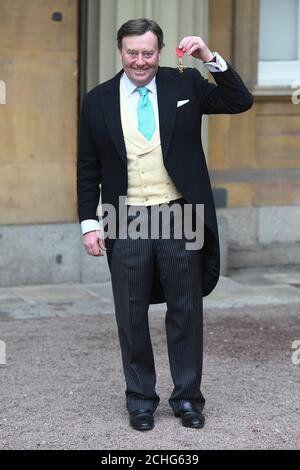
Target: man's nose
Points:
(140, 60)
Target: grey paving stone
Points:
(250, 287)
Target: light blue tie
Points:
(146, 119)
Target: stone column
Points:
(176, 18)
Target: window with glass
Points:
(279, 42)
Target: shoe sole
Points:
(136, 428)
(194, 426)
(197, 426)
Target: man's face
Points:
(140, 57)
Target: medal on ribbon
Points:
(180, 54)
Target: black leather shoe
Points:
(190, 416)
(141, 420)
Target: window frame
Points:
(280, 73)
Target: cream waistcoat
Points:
(148, 180)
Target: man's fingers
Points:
(194, 46)
(102, 244)
(94, 250)
(193, 49)
(96, 253)
(183, 43)
(189, 42)
(94, 243)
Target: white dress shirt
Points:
(132, 97)
(218, 64)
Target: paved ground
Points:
(62, 385)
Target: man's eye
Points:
(148, 55)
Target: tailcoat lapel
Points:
(167, 95)
(112, 114)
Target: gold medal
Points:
(180, 54)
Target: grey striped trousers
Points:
(180, 274)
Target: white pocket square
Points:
(181, 103)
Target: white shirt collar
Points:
(131, 87)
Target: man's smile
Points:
(140, 70)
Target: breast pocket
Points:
(182, 104)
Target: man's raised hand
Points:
(196, 47)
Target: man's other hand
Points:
(196, 47)
(94, 243)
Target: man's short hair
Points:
(138, 27)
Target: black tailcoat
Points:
(102, 153)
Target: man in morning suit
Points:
(140, 140)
